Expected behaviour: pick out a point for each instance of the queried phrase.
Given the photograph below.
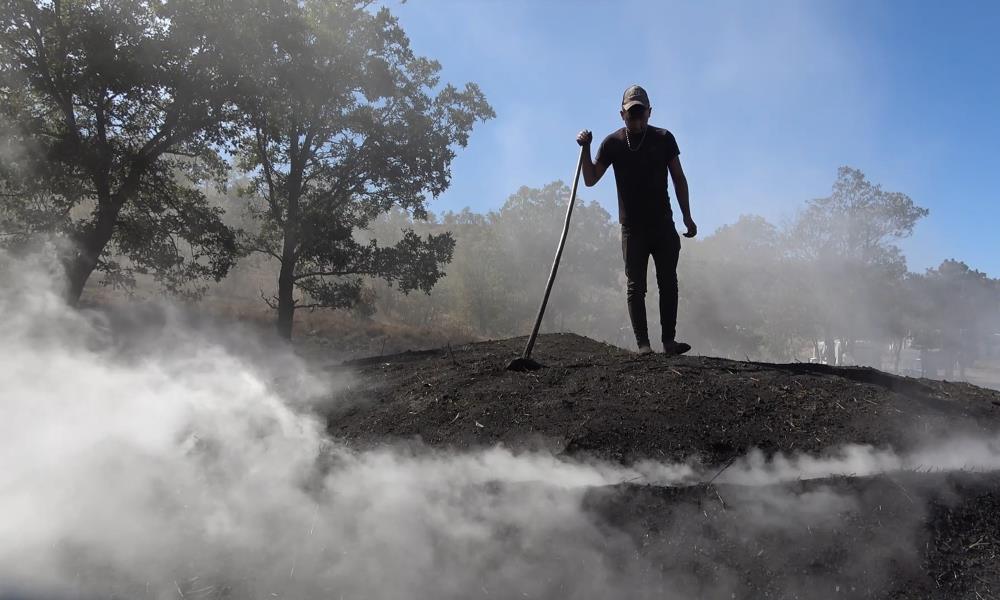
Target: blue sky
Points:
(766, 99)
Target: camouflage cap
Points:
(634, 96)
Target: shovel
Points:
(524, 362)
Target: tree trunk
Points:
(286, 299)
(78, 269)
(286, 276)
(89, 246)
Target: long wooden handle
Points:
(555, 263)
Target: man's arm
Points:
(681, 187)
(592, 172)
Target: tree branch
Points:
(179, 153)
(265, 162)
(264, 251)
(315, 305)
(269, 301)
(308, 274)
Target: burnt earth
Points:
(596, 399)
(906, 535)
(912, 536)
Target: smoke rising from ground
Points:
(181, 466)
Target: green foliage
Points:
(857, 224)
(956, 307)
(502, 259)
(732, 289)
(112, 113)
(844, 248)
(347, 123)
(150, 230)
(528, 226)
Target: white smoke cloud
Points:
(178, 467)
(858, 460)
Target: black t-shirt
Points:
(641, 175)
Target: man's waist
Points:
(648, 204)
(640, 225)
(644, 213)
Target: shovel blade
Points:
(523, 364)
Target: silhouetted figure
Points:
(642, 155)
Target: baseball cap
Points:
(635, 96)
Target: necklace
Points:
(628, 142)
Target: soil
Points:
(601, 400)
(904, 535)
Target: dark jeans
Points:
(663, 243)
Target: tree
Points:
(528, 227)
(502, 259)
(846, 241)
(343, 128)
(957, 311)
(113, 112)
(738, 297)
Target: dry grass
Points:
(321, 333)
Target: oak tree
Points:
(347, 123)
(112, 114)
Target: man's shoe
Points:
(645, 349)
(673, 348)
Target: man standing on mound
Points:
(642, 155)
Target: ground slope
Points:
(598, 399)
(901, 535)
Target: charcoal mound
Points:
(908, 535)
(900, 535)
(599, 400)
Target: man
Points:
(642, 155)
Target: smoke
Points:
(182, 468)
(185, 463)
(857, 460)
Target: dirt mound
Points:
(601, 400)
(910, 535)
(900, 534)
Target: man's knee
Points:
(635, 288)
(667, 281)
